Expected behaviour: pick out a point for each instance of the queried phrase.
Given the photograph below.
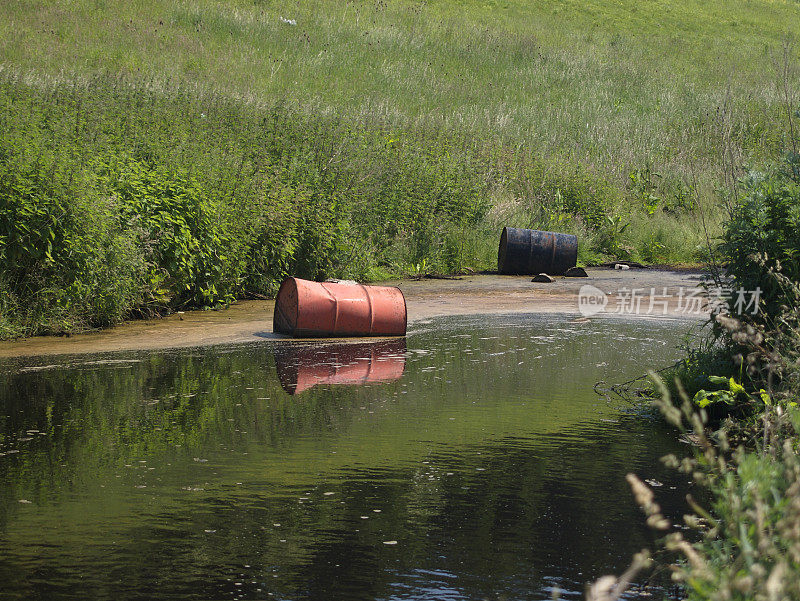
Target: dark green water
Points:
(488, 469)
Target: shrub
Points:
(178, 221)
(65, 262)
(748, 540)
(762, 237)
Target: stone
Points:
(543, 278)
(576, 272)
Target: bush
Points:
(119, 201)
(748, 540)
(178, 221)
(762, 238)
(64, 261)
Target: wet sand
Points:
(658, 296)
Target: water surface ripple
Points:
(471, 461)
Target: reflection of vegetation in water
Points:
(191, 426)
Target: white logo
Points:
(591, 300)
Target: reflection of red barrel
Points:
(302, 367)
(305, 308)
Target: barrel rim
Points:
(501, 251)
(405, 310)
(281, 322)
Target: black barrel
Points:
(528, 252)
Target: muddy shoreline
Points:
(658, 295)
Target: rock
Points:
(544, 278)
(621, 266)
(576, 272)
(621, 262)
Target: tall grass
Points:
(118, 198)
(163, 154)
(613, 86)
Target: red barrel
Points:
(303, 367)
(306, 309)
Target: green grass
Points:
(162, 154)
(611, 85)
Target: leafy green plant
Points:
(762, 239)
(644, 188)
(178, 221)
(729, 392)
(610, 237)
(747, 544)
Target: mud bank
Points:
(636, 293)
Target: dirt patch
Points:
(635, 293)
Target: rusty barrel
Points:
(301, 367)
(308, 309)
(529, 252)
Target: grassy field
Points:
(361, 139)
(614, 85)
